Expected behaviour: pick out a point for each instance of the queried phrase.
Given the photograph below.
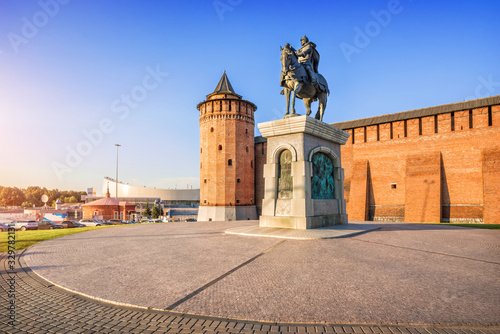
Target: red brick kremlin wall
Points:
(438, 164)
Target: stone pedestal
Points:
(292, 195)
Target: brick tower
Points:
(227, 190)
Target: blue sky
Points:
(79, 76)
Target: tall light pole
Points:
(116, 180)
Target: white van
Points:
(90, 222)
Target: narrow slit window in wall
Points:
(471, 122)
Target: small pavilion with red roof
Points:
(108, 208)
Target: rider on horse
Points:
(309, 58)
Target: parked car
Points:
(91, 222)
(24, 225)
(48, 225)
(71, 224)
(116, 221)
(4, 227)
(190, 220)
(107, 222)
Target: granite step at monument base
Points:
(329, 232)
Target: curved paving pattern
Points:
(44, 308)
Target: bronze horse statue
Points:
(295, 81)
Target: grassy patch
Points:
(485, 226)
(24, 239)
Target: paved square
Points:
(400, 274)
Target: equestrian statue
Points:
(300, 77)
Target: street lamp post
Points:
(116, 180)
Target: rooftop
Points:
(224, 87)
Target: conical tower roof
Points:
(224, 87)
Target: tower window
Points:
(452, 121)
(237, 201)
(237, 180)
(247, 149)
(392, 130)
(435, 123)
(378, 132)
(470, 119)
(490, 117)
(230, 162)
(420, 126)
(364, 130)
(211, 129)
(229, 105)
(220, 106)
(201, 150)
(220, 147)
(200, 165)
(205, 181)
(405, 128)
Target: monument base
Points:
(226, 213)
(302, 223)
(304, 180)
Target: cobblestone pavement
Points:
(43, 308)
(400, 273)
(368, 284)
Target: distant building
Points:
(108, 208)
(143, 195)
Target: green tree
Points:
(71, 199)
(11, 196)
(26, 204)
(34, 195)
(147, 211)
(156, 212)
(54, 195)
